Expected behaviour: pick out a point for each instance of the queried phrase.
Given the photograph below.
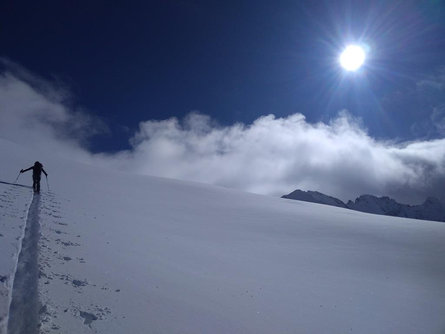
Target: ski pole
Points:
(47, 184)
(17, 178)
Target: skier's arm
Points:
(46, 174)
(25, 170)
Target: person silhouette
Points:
(37, 170)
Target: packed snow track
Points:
(23, 312)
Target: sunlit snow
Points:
(121, 253)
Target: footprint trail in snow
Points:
(62, 292)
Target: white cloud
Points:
(270, 156)
(276, 155)
(37, 113)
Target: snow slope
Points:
(123, 253)
(14, 202)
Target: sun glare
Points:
(352, 58)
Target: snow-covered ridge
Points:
(431, 209)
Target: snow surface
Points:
(14, 202)
(123, 253)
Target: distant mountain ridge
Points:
(431, 209)
(315, 197)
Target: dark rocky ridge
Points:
(431, 209)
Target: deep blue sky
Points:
(129, 61)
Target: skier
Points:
(37, 170)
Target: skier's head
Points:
(37, 163)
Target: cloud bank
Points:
(271, 156)
(38, 113)
(277, 155)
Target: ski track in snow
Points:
(40, 243)
(42, 257)
(23, 312)
(14, 205)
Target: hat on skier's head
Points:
(37, 163)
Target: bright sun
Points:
(352, 58)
